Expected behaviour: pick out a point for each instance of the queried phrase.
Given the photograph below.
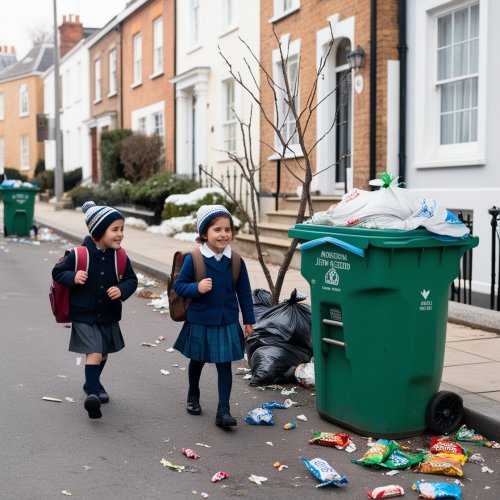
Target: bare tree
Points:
(298, 165)
(40, 34)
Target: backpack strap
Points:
(120, 263)
(199, 265)
(81, 258)
(235, 266)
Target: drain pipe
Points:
(373, 90)
(403, 75)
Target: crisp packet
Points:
(324, 473)
(219, 476)
(392, 490)
(337, 439)
(378, 452)
(447, 446)
(440, 465)
(260, 416)
(437, 490)
(465, 434)
(399, 459)
(271, 405)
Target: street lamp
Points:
(356, 58)
(58, 169)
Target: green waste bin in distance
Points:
(18, 209)
(379, 304)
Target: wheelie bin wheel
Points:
(445, 412)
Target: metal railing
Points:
(495, 217)
(461, 287)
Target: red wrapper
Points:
(219, 476)
(392, 490)
(446, 446)
(190, 453)
(330, 439)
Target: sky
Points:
(20, 17)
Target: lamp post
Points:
(58, 169)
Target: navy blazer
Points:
(89, 303)
(221, 305)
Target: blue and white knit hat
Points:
(98, 218)
(208, 212)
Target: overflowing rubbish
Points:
(281, 339)
(446, 466)
(260, 416)
(324, 473)
(437, 490)
(304, 373)
(468, 435)
(378, 452)
(390, 491)
(219, 476)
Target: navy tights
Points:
(224, 382)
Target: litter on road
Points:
(257, 479)
(54, 400)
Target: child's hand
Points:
(114, 293)
(248, 331)
(205, 285)
(81, 277)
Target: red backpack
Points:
(59, 295)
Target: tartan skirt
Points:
(103, 339)
(211, 343)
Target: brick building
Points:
(360, 142)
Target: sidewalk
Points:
(472, 356)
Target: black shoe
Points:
(193, 406)
(225, 419)
(93, 406)
(103, 395)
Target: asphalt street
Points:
(48, 448)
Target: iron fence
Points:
(495, 237)
(461, 287)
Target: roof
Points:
(6, 59)
(37, 60)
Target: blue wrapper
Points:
(324, 472)
(260, 416)
(271, 405)
(438, 490)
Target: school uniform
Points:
(94, 315)
(212, 331)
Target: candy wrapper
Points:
(465, 434)
(337, 439)
(289, 426)
(437, 490)
(324, 473)
(378, 452)
(260, 416)
(271, 405)
(189, 453)
(440, 465)
(389, 491)
(219, 476)
(400, 459)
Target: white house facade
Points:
(74, 110)
(453, 105)
(206, 94)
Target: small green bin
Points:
(379, 303)
(18, 209)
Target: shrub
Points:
(173, 210)
(45, 180)
(141, 156)
(72, 178)
(40, 166)
(113, 194)
(14, 174)
(110, 149)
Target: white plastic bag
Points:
(304, 374)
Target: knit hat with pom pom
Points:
(98, 218)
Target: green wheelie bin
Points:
(379, 303)
(18, 209)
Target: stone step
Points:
(285, 217)
(320, 203)
(274, 230)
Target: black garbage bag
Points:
(276, 364)
(261, 302)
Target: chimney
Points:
(70, 33)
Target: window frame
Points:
(157, 47)
(112, 73)
(137, 60)
(281, 10)
(194, 24)
(429, 152)
(23, 100)
(229, 141)
(25, 152)
(228, 22)
(97, 80)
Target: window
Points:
(228, 20)
(289, 125)
(137, 60)
(158, 124)
(23, 100)
(25, 152)
(67, 88)
(78, 82)
(2, 110)
(158, 46)
(285, 7)
(195, 22)
(142, 125)
(228, 117)
(457, 74)
(112, 71)
(97, 81)
(2, 154)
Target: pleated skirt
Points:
(100, 338)
(211, 344)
